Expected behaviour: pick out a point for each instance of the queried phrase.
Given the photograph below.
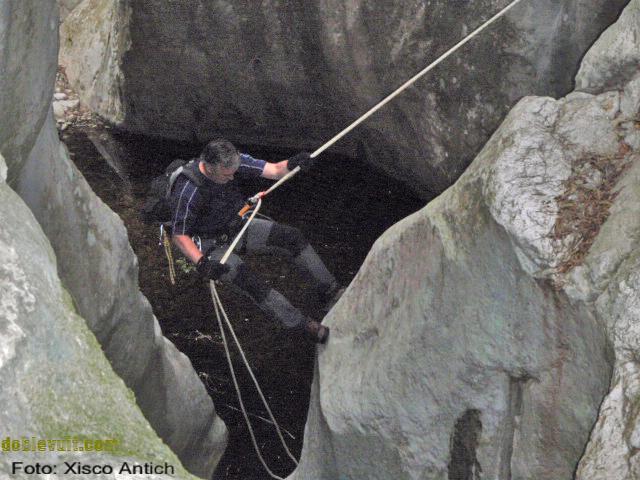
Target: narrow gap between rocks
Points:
(342, 206)
(464, 463)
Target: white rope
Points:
(391, 96)
(413, 79)
(218, 309)
(282, 180)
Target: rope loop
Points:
(220, 313)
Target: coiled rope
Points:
(256, 202)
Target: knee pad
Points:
(289, 238)
(251, 283)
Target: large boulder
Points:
(94, 258)
(295, 73)
(56, 382)
(481, 333)
(614, 59)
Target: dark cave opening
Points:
(342, 206)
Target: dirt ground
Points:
(341, 206)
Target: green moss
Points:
(75, 393)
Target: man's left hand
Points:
(302, 160)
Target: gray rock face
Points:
(447, 353)
(101, 273)
(66, 7)
(28, 62)
(95, 262)
(296, 73)
(95, 54)
(613, 262)
(55, 379)
(614, 58)
(478, 333)
(613, 448)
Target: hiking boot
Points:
(316, 332)
(331, 297)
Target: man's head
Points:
(220, 160)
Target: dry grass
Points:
(584, 205)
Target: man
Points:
(208, 209)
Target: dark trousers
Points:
(265, 236)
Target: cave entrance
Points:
(342, 206)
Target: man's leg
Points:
(267, 236)
(270, 301)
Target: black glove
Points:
(210, 268)
(302, 160)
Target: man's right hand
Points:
(211, 269)
(302, 160)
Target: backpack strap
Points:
(191, 171)
(188, 170)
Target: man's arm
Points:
(187, 247)
(208, 268)
(275, 171)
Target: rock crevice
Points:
(88, 244)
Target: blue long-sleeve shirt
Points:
(207, 209)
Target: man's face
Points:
(220, 174)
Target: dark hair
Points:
(220, 151)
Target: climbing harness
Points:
(253, 205)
